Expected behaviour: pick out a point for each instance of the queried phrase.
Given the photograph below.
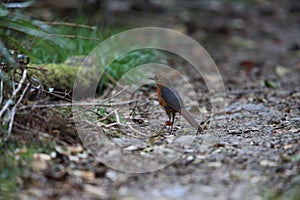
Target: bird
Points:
(170, 100)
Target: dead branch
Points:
(11, 100)
(1, 91)
(13, 111)
(106, 116)
(15, 101)
(71, 24)
(73, 37)
(77, 104)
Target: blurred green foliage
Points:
(56, 43)
(130, 60)
(14, 26)
(45, 52)
(15, 163)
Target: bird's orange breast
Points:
(161, 101)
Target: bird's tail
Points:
(187, 115)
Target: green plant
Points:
(16, 29)
(44, 42)
(13, 24)
(80, 44)
(130, 60)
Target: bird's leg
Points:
(172, 122)
(169, 123)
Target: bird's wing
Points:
(172, 98)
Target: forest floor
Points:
(255, 153)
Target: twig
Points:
(109, 125)
(83, 122)
(24, 75)
(71, 24)
(132, 112)
(117, 94)
(106, 92)
(77, 104)
(13, 111)
(106, 117)
(117, 116)
(10, 101)
(1, 91)
(58, 96)
(117, 83)
(73, 37)
(134, 130)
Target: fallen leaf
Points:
(88, 175)
(281, 71)
(75, 149)
(41, 156)
(98, 191)
(272, 84)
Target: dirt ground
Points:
(257, 151)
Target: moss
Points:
(62, 76)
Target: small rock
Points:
(234, 132)
(215, 164)
(267, 163)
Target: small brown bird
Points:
(170, 100)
